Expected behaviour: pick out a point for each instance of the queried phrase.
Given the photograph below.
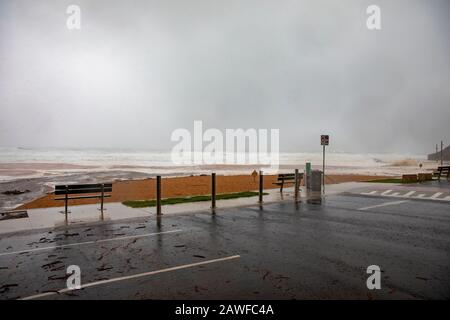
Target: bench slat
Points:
(79, 191)
(84, 197)
(82, 186)
(288, 176)
(285, 180)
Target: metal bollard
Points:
(103, 197)
(213, 190)
(297, 184)
(158, 195)
(261, 186)
(66, 204)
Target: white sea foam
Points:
(155, 162)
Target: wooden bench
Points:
(98, 190)
(284, 178)
(442, 170)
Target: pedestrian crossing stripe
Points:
(410, 194)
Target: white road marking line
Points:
(441, 199)
(89, 242)
(409, 193)
(385, 192)
(395, 194)
(369, 193)
(437, 194)
(421, 195)
(383, 205)
(134, 276)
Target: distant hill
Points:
(437, 156)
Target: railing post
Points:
(158, 195)
(101, 205)
(213, 190)
(66, 203)
(103, 195)
(261, 188)
(297, 184)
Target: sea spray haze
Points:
(18, 163)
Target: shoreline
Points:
(40, 164)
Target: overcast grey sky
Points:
(137, 70)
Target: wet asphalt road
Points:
(285, 251)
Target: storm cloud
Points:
(137, 70)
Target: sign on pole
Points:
(324, 141)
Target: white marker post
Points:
(324, 141)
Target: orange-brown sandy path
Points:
(181, 186)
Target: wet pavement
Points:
(281, 250)
(50, 218)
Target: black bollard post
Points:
(261, 186)
(213, 191)
(158, 195)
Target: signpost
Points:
(324, 141)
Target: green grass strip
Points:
(223, 196)
(388, 180)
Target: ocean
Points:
(20, 163)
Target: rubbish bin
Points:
(313, 180)
(316, 181)
(314, 186)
